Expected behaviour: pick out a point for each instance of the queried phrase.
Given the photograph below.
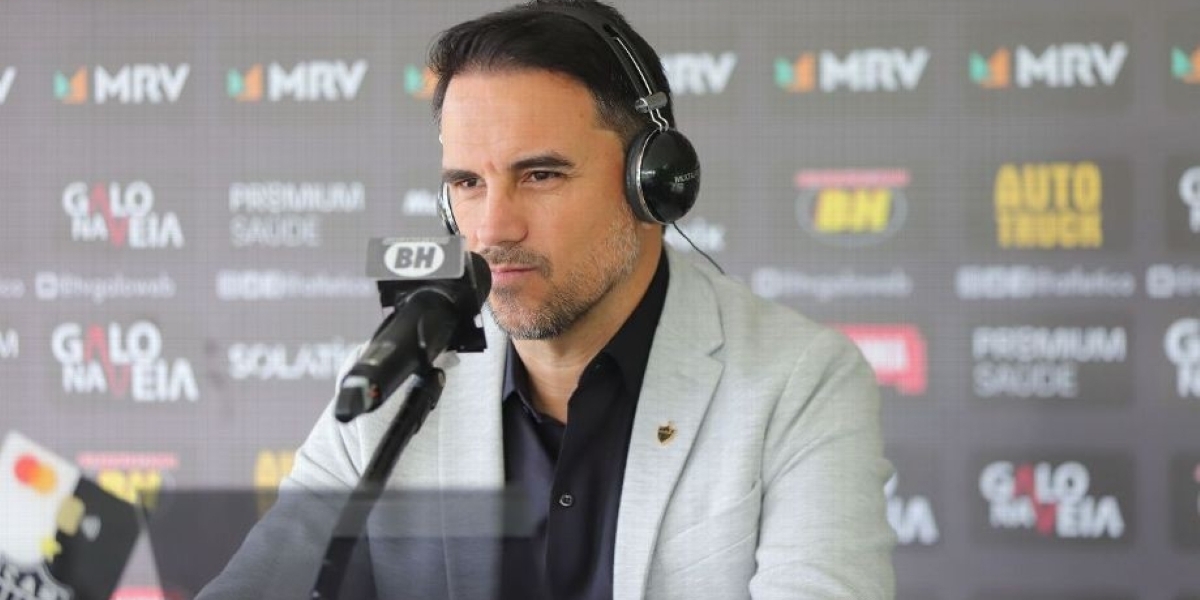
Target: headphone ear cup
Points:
(444, 210)
(662, 176)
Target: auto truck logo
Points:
(860, 70)
(1047, 206)
(122, 362)
(121, 214)
(1056, 66)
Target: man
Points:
(676, 436)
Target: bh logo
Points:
(414, 259)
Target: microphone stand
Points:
(468, 336)
(421, 400)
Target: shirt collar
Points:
(629, 348)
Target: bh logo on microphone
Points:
(414, 259)
(121, 361)
(121, 214)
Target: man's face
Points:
(536, 185)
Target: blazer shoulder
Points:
(751, 322)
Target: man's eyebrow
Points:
(452, 175)
(540, 161)
(550, 159)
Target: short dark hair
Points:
(527, 36)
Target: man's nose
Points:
(502, 220)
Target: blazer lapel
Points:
(470, 433)
(681, 375)
(471, 458)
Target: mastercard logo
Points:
(35, 474)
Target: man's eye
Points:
(543, 175)
(466, 183)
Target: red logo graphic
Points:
(896, 353)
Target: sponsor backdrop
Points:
(998, 202)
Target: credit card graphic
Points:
(61, 536)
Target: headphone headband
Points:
(650, 100)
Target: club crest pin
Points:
(666, 433)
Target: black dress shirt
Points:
(572, 474)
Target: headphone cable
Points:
(697, 248)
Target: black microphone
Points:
(431, 314)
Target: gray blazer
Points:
(768, 486)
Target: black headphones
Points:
(662, 171)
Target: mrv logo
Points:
(862, 70)
(1050, 500)
(1056, 66)
(1046, 362)
(278, 362)
(1182, 345)
(1185, 67)
(123, 362)
(120, 214)
(1049, 206)
(310, 81)
(7, 76)
(419, 81)
(129, 84)
(699, 73)
(852, 207)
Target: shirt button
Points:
(566, 500)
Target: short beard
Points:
(579, 292)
